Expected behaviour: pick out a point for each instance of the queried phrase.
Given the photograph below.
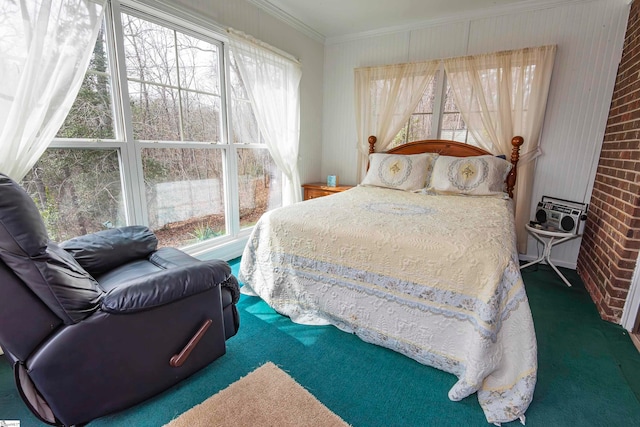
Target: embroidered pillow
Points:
(409, 172)
(476, 175)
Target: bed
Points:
(429, 272)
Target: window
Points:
(147, 142)
(420, 124)
(453, 126)
(92, 114)
(174, 83)
(436, 116)
(78, 188)
(259, 179)
(77, 191)
(174, 86)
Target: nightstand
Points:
(319, 189)
(549, 239)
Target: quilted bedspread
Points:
(433, 277)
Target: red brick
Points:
(611, 239)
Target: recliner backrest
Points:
(25, 321)
(48, 270)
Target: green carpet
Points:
(589, 371)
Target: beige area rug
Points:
(266, 397)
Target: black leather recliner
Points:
(104, 321)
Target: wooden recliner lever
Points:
(178, 359)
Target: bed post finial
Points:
(517, 141)
(372, 143)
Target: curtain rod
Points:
(263, 45)
(501, 52)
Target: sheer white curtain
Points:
(45, 49)
(501, 95)
(385, 98)
(273, 81)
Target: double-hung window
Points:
(162, 134)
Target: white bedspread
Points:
(433, 277)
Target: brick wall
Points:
(611, 238)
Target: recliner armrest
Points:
(163, 287)
(104, 250)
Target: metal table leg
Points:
(546, 254)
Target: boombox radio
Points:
(561, 215)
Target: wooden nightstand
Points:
(319, 189)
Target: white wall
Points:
(589, 36)
(244, 16)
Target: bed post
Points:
(517, 141)
(372, 143)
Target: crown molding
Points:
(288, 19)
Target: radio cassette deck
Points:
(561, 215)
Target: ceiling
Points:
(338, 18)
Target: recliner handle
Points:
(178, 359)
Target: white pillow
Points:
(475, 175)
(409, 172)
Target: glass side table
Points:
(549, 239)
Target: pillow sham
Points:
(475, 175)
(408, 172)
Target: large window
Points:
(147, 141)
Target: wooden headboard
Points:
(453, 148)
